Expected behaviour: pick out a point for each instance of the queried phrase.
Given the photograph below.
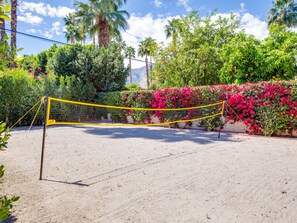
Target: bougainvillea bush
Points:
(167, 98)
(267, 108)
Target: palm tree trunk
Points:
(13, 29)
(106, 34)
(72, 40)
(100, 30)
(147, 72)
(151, 67)
(2, 30)
(103, 31)
(130, 66)
(2, 27)
(93, 37)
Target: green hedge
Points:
(20, 91)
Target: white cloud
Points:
(29, 18)
(31, 30)
(44, 9)
(249, 23)
(254, 26)
(56, 28)
(143, 27)
(185, 4)
(242, 8)
(158, 3)
(146, 26)
(47, 34)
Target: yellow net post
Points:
(221, 119)
(45, 121)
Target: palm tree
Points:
(86, 15)
(71, 32)
(152, 49)
(145, 49)
(284, 13)
(13, 30)
(82, 30)
(130, 53)
(104, 18)
(172, 29)
(2, 22)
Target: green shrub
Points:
(4, 135)
(19, 91)
(5, 203)
(132, 87)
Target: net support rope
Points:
(22, 117)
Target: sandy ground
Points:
(150, 175)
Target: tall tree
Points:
(2, 21)
(82, 31)
(172, 29)
(105, 18)
(284, 13)
(71, 32)
(4, 47)
(145, 49)
(86, 15)
(130, 53)
(196, 59)
(152, 49)
(13, 30)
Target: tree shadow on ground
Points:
(160, 134)
(10, 219)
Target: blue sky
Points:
(148, 18)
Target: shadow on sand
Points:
(10, 219)
(160, 134)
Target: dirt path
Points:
(149, 175)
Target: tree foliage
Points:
(280, 50)
(243, 60)
(283, 13)
(103, 18)
(63, 62)
(213, 50)
(193, 57)
(103, 67)
(147, 48)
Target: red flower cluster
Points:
(268, 108)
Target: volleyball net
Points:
(67, 112)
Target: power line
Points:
(33, 36)
(135, 59)
(55, 41)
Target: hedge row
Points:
(268, 108)
(20, 91)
